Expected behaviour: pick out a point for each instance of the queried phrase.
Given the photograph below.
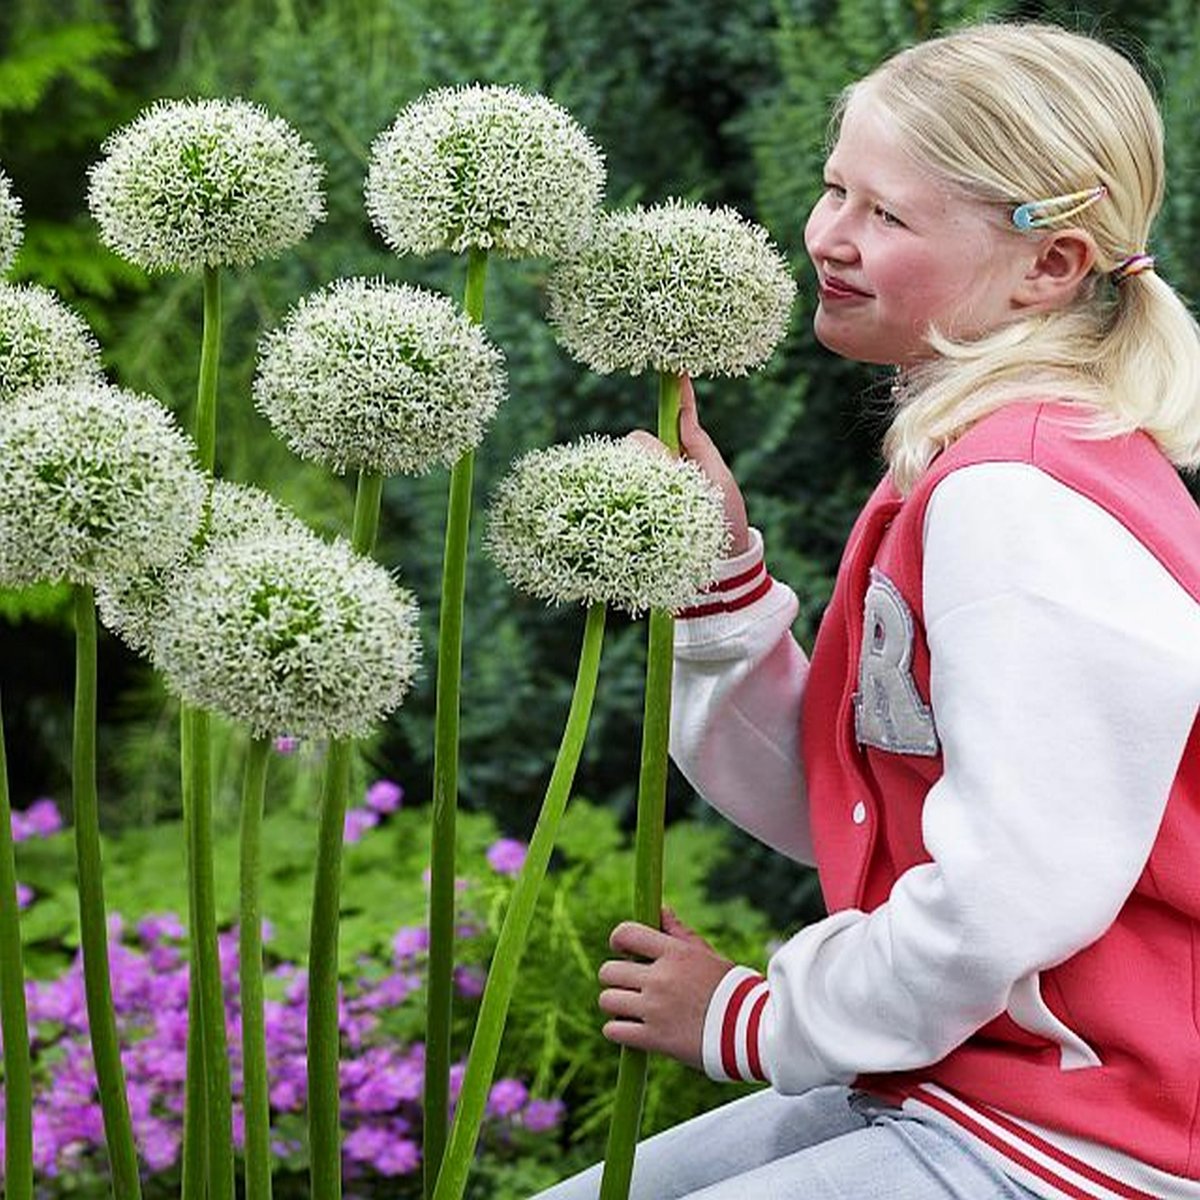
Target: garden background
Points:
(719, 101)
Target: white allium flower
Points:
(678, 287)
(131, 604)
(381, 377)
(11, 228)
(42, 342)
(94, 482)
(287, 633)
(484, 166)
(602, 520)
(204, 183)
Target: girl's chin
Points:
(845, 339)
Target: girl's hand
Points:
(700, 448)
(660, 1004)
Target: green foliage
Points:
(553, 1037)
(74, 53)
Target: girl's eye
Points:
(889, 219)
(835, 190)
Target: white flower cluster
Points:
(381, 377)
(131, 605)
(205, 183)
(287, 633)
(42, 342)
(677, 288)
(488, 167)
(94, 482)
(600, 520)
(11, 228)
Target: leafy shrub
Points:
(548, 1110)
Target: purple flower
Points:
(507, 856)
(399, 1157)
(286, 745)
(469, 981)
(24, 896)
(540, 1116)
(384, 796)
(410, 940)
(508, 1096)
(365, 1143)
(358, 821)
(42, 818)
(156, 927)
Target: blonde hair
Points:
(1007, 113)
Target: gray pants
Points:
(828, 1144)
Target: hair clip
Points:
(1135, 264)
(1036, 214)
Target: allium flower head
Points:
(204, 183)
(678, 288)
(42, 342)
(95, 482)
(130, 604)
(378, 376)
(11, 228)
(287, 632)
(492, 168)
(600, 520)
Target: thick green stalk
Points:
(97, 985)
(14, 1019)
(324, 1125)
(194, 1181)
(440, 979)
(207, 1124)
(324, 1109)
(648, 843)
(367, 503)
(210, 361)
(506, 960)
(255, 1094)
(206, 963)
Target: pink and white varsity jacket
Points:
(993, 759)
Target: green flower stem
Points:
(206, 963)
(193, 1183)
(14, 1020)
(439, 984)
(367, 503)
(324, 1108)
(502, 975)
(648, 841)
(255, 1096)
(102, 1019)
(324, 1125)
(210, 356)
(207, 1121)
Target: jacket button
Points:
(859, 815)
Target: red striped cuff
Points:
(734, 1028)
(749, 581)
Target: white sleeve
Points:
(1065, 681)
(735, 713)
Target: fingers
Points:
(645, 440)
(633, 1034)
(622, 973)
(632, 937)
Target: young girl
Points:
(993, 754)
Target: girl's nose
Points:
(828, 235)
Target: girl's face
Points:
(897, 251)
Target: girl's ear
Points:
(1064, 260)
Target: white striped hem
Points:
(1050, 1164)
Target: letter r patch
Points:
(889, 713)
